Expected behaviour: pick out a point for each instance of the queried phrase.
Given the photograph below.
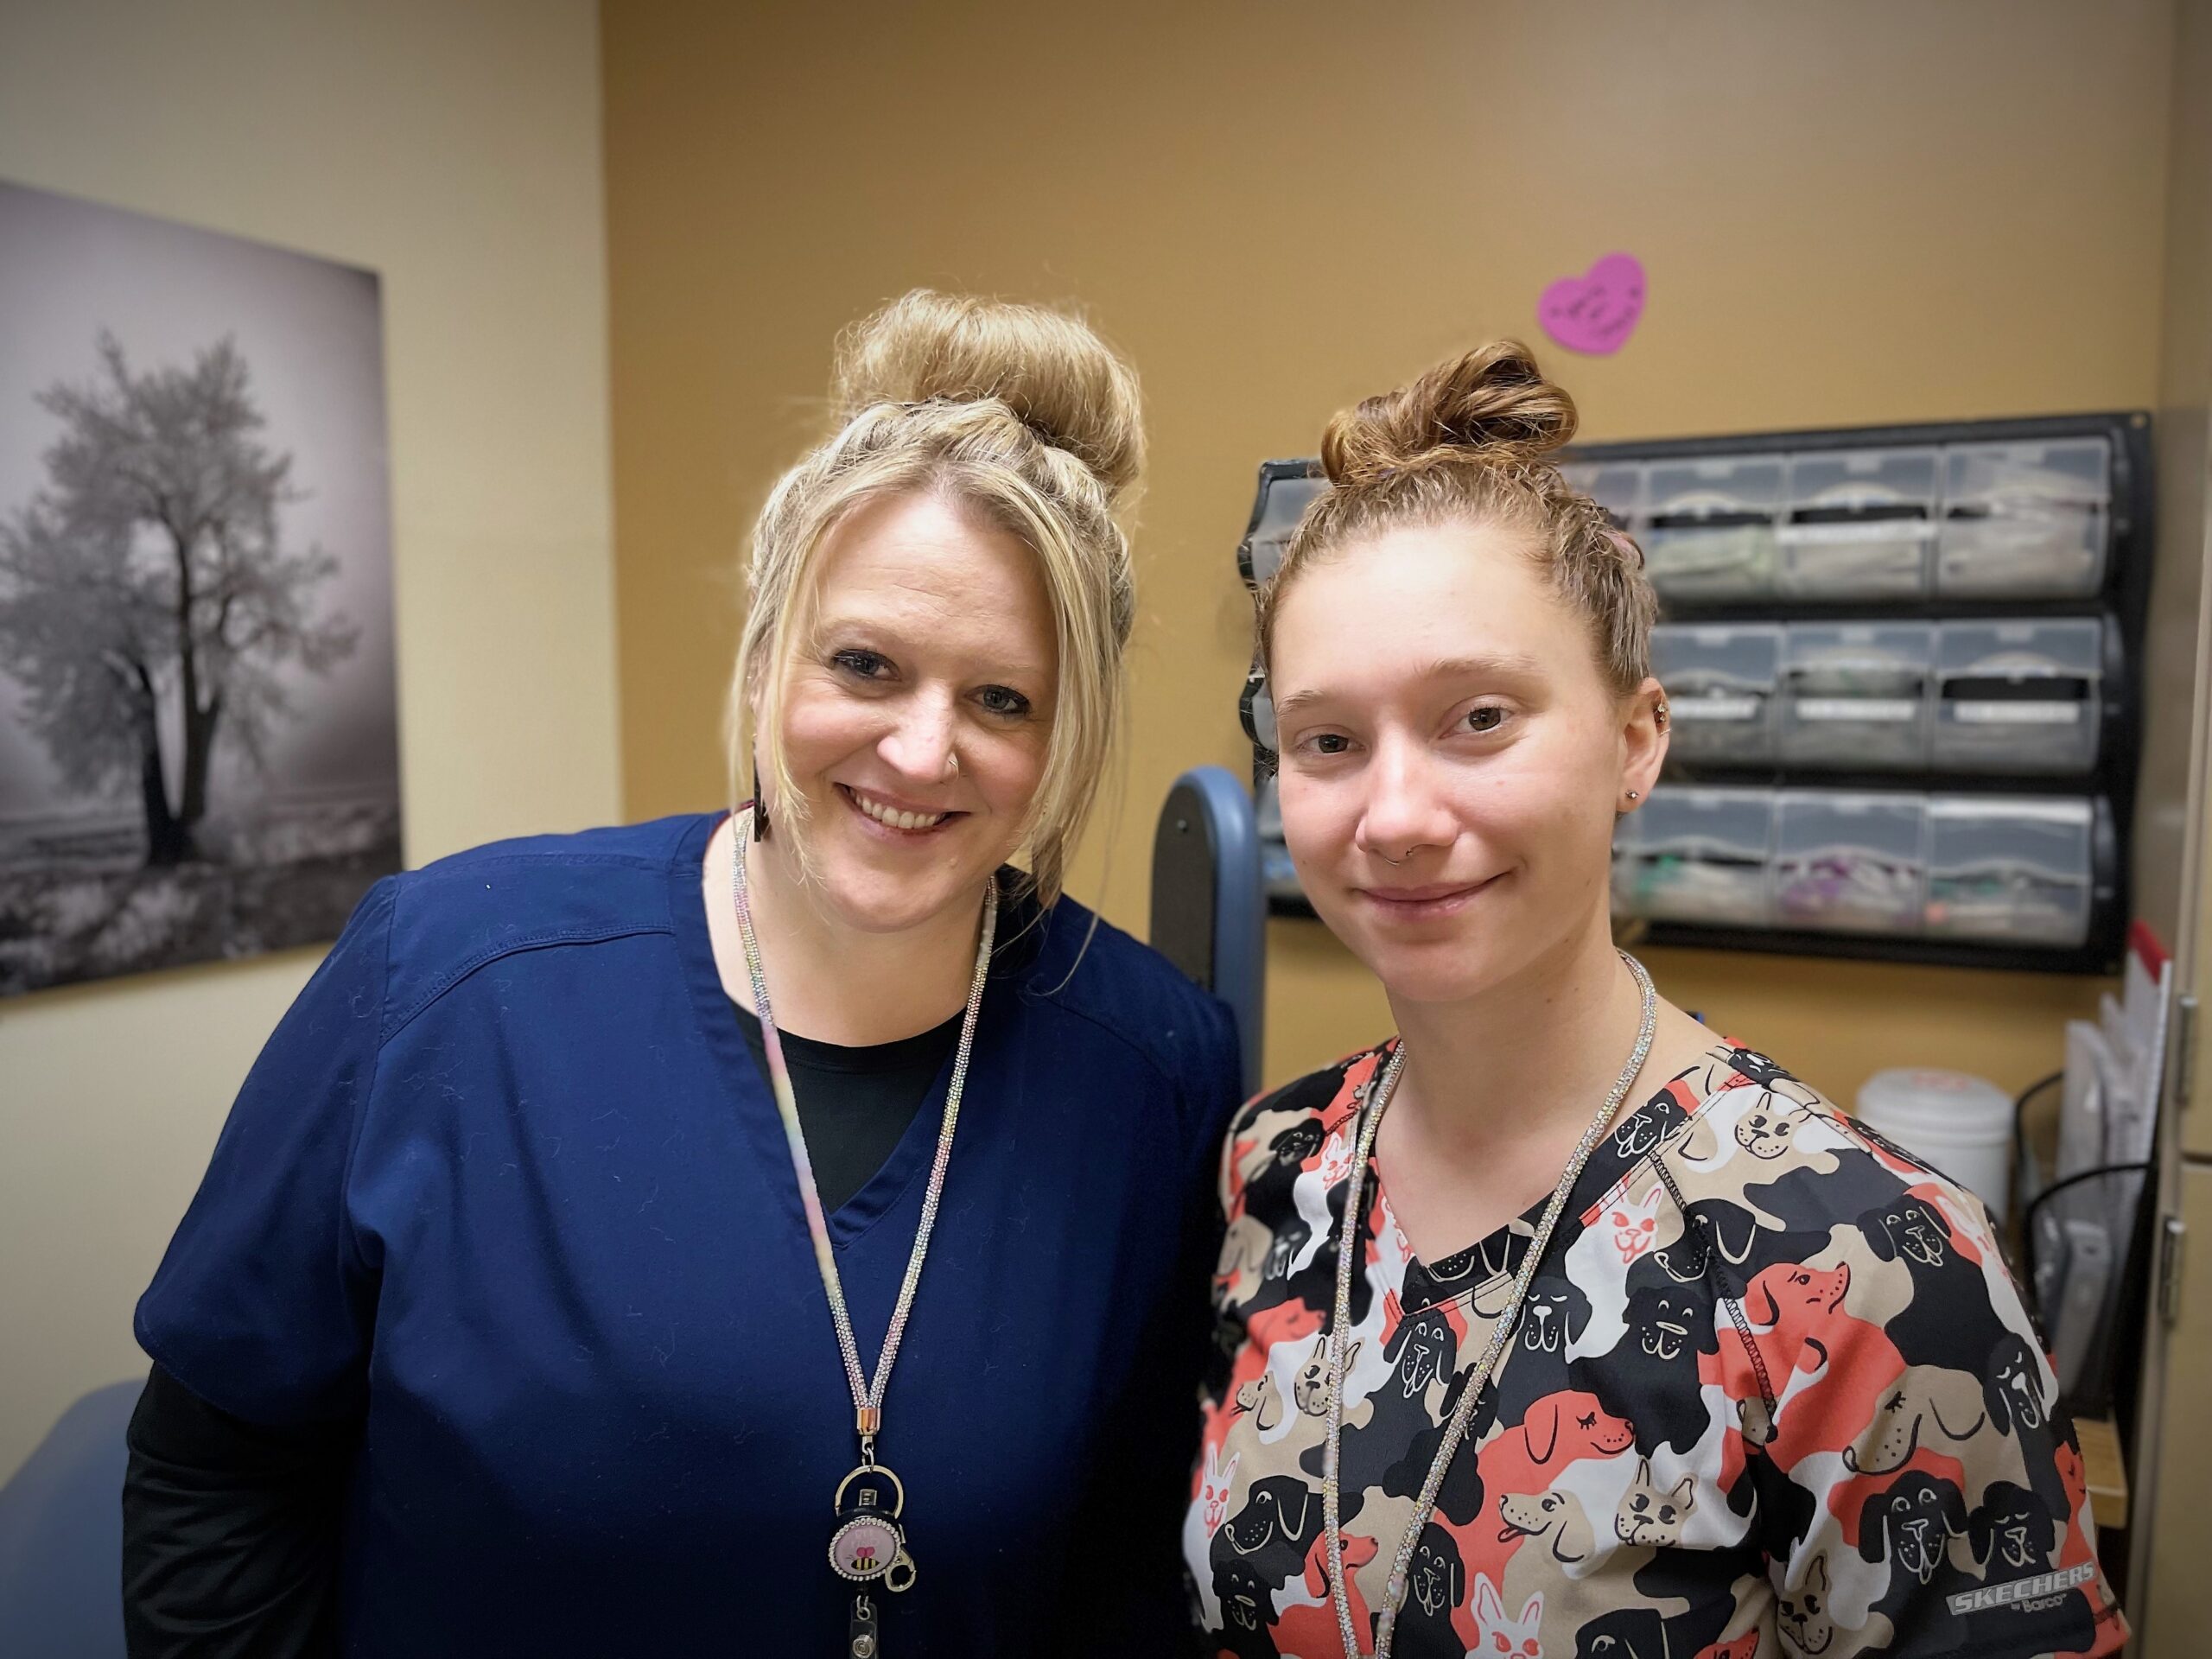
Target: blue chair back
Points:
(61, 1535)
(1209, 912)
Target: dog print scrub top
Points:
(1773, 1393)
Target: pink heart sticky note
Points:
(1597, 311)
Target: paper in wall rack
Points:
(1903, 663)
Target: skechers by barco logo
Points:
(2003, 1595)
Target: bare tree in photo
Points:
(146, 594)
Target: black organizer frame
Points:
(2124, 598)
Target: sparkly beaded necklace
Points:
(1455, 1430)
(869, 1543)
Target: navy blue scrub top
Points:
(507, 1185)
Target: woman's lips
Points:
(1422, 904)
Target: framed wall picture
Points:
(199, 729)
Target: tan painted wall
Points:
(1879, 211)
(455, 149)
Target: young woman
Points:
(591, 1265)
(1557, 1324)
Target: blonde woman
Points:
(1557, 1324)
(761, 1232)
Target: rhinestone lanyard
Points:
(1455, 1430)
(869, 1544)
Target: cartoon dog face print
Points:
(1562, 1428)
(1554, 1316)
(1554, 1517)
(1911, 1523)
(2012, 1529)
(1261, 1399)
(1500, 1638)
(1309, 1390)
(1214, 1484)
(1666, 1323)
(1802, 1615)
(1290, 1239)
(2013, 1389)
(1624, 1633)
(1767, 1130)
(1435, 1580)
(1911, 1231)
(1650, 1515)
(1243, 1250)
(1928, 1405)
(1746, 1063)
(1248, 1601)
(1635, 1222)
(1279, 1522)
(1796, 1298)
(1294, 1146)
(1638, 1135)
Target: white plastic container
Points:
(1960, 1124)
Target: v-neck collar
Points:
(1497, 1257)
(723, 1031)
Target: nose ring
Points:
(1386, 859)
(952, 763)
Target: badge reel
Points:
(869, 1546)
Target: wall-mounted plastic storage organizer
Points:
(1901, 664)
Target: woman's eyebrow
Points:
(1486, 665)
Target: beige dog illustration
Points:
(1927, 1405)
(1261, 1399)
(1309, 1390)
(1556, 1517)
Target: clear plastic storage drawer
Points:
(1854, 695)
(1697, 855)
(1616, 486)
(1860, 524)
(1849, 863)
(1281, 508)
(2018, 697)
(2010, 872)
(1721, 680)
(1709, 526)
(2024, 520)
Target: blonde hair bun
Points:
(1492, 403)
(1058, 378)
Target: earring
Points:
(1659, 715)
(759, 803)
(1633, 796)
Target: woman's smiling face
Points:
(1452, 757)
(917, 708)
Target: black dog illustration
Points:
(1434, 1585)
(1535, 1362)
(1247, 1607)
(1269, 1191)
(1910, 1525)
(2012, 1532)
(1271, 1534)
(1650, 1376)
(1949, 1320)
(1624, 1633)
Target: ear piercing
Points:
(1633, 796)
(1659, 715)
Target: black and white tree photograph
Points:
(199, 727)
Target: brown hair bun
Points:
(1493, 404)
(1058, 378)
